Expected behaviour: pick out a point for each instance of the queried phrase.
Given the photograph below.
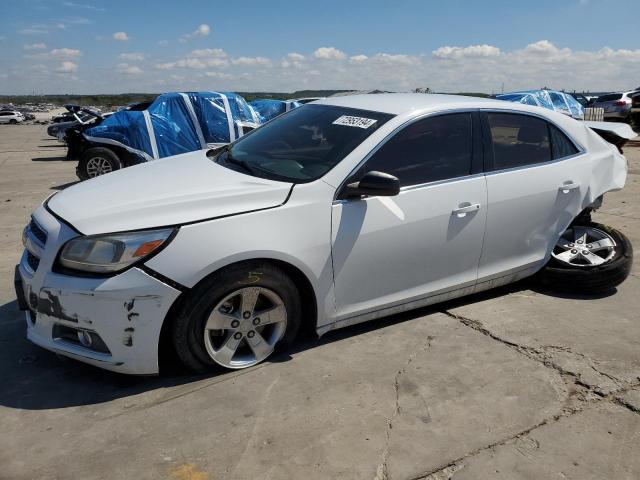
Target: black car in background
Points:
(85, 151)
(77, 115)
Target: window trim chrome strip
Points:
(576, 144)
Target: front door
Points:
(428, 239)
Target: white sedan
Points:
(341, 211)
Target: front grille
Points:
(32, 261)
(38, 232)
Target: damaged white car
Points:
(338, 212)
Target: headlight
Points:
(112, 253)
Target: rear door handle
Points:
(566, 187)
(465, 208)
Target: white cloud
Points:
(294, 59)
(38, 29)
(208, 52)
(471, 51)
(35, 46)
(481, 68)
(262, 61)
(132, 57)
(329, 53)
(202, 31)
(121, 36)
(165, 66)
(219, 75)
(65, 53)
(359, 58)
(83, 5)
(199, 59)
(67, 67)
(399, 59)
(127, 69)
(63, 22)
(163, 43)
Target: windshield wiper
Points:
(241, 163)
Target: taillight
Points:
(620, 103)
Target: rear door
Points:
(536, 180)
(392, 250)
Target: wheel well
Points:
(166, 354)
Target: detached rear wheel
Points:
(97, 161)
(237, 318)
(590, 258)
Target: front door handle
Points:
(566, 187)
(465, 208)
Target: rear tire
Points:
(97, 161)
(201, 347)
(13, 121)
(564, 277)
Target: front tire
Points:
(237, 318)
(97, 161)
(589, 259)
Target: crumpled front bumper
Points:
(125, 311)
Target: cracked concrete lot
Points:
(515, 383)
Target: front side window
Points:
(304, 144)
(518, 140)
(432, 149)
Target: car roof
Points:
(399, 103)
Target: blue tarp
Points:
(177, 123)
(268, 108)
(550, 99)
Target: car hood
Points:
(171, 191)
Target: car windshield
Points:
(304, 144)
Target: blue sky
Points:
(85, 46)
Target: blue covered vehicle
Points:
(550, 99)
(266, 108)
(172, 124)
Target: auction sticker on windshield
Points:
(350, 121)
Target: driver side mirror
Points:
(373, 183)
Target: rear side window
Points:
(518, 140)
(561, 146)
(432, 149)
(609, 98)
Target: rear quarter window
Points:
(561, 146)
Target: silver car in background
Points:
(616, 105)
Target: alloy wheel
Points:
(244, 327)
(583, 246)
(98, 166)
